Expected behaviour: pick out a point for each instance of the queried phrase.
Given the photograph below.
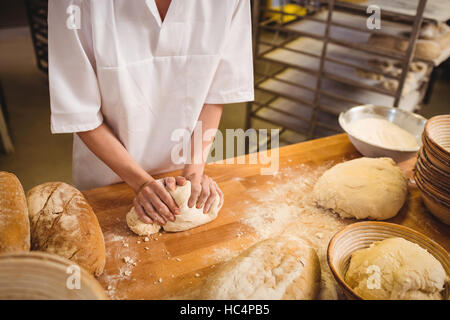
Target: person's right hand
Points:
(153, 203)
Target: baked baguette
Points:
(284, 268)
(63, 223)
(14, 224)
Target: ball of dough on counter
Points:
(279, 268)
(187, 219)
(139, 227)
(364, 188)
(406, 272)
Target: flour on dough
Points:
(187, 219)
(139, 227)
(284, 267)
(408, 272)
(373, 188)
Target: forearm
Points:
(104, 144)
(209, 119)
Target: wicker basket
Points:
(361, 235)
(44, 276)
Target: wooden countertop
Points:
(171, 261)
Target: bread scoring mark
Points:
(50, 231)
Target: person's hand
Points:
(203, 192)
(153, 203)
(172, 182)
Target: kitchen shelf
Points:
(322, 64)
(37, 19)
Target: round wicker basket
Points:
(361, 235)
(44, 276)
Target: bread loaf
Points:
(439, 33)
(280, 268)
(443, 37)
(425, 49)
(63, 223)
(14, 224)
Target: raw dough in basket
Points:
(406, 271)
(187, 219)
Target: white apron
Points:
(143, 77)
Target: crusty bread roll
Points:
(443, 37)
(425, 49)
(14, 224)
(280, 268)
(63, 223)
(436, 32)
(427, 31)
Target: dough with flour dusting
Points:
(282, 268)
(364, 188)
(406, 272)
(187, 219)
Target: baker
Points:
(125, 75)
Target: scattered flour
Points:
(284, 206)
(127, 262)
(223, 254)
(287, 208)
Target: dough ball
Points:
(139, 227)
(364, 188)
(392, 84)
(368, 74)
(418, 66)
(190, 217)
(187, 219)
(279, 268)
(406, 272)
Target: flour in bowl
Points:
(382, 133)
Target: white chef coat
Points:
(144, 77)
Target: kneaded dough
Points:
(279, 268)
(187, 219)
(407, 272)
(139, 227)
(364, 188)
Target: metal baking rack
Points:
(37, 19)
(308, 72)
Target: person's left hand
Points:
(203, 192)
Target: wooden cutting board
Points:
(170, 262)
